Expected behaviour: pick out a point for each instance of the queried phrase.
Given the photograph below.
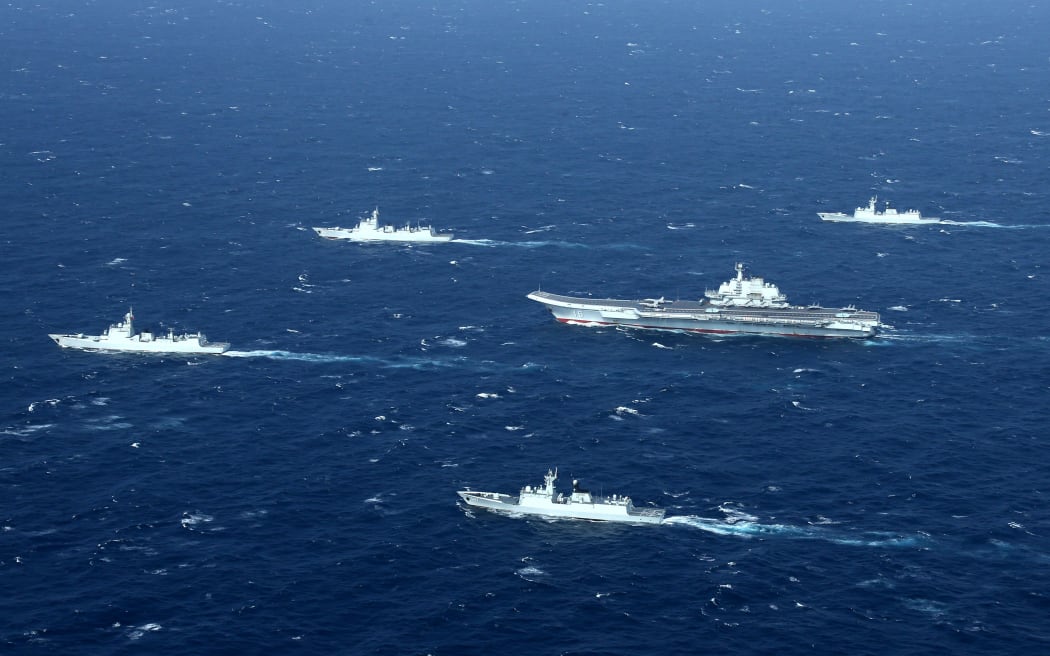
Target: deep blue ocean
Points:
(298, 495)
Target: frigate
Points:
(871, 214)
(368, 229)
(580, 504)
(743, 305)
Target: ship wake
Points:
(493, 243)
(989, 224)
(328, 358)
(747, 528)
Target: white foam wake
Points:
(989, 224)
(752, 529)
(288, 355)
(520, 244)
(328, 358)
(492, 243)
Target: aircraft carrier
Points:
(743, 305)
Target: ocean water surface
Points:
(298, 494)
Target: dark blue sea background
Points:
(298, 495)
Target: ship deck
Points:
(705, 310)
(647, 512)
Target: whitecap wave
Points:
(530, 574)
(138, 631)
(107, 423)
(540, 229)
(51, 402)
(24, 431)
(191, 521)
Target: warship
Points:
(368, 229)
(122, 336)
(870, 214)
(743, 305)
(548, 502)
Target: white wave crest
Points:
(191, 520)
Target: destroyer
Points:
(368, 229)
(870, 214)
(745, 305)
(121, 336)
(581, 504)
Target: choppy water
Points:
(298, 493)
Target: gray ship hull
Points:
(704, 317)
